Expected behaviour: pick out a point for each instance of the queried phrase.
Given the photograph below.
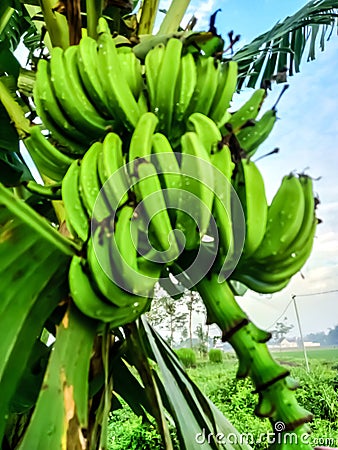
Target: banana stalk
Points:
(174, 16)
(148, 16)
(56, 24)
(276, 397)
(14, 111)
(94, 11)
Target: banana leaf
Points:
(312, 25)
(33, 272)
(194, 414)
(62, 407)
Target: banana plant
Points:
(76, 266)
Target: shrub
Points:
(215, 355)
(187, 356)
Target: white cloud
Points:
(202, 11)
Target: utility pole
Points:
(301, 334)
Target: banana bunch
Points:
(48, 158)
(288, 238)
(87, 90)
(244, 129)
(87, 192)
(126, 213)
(178, 86)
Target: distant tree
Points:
(320, 337)
(184, 334)
(281, 330)
(194, 304)
(168, 314)
(203, 338)
(332, 337)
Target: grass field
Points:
(323, 354)
(318, 393)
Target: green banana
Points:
(126, 272)
(155, 207)
(258, 285)
(250, 138)
(142, 102)
(90, 304)
(70, 97)
(140, 144)
(121, 100)
(206, 86)
(132, 71)
(309, 218)
(285, 217)
(185, 87)
(198, 179)
(52, 116)
(226, 86)
(249, 111)
(90, 185)
(251, 191)
(280, 273)
(48, 159)
(114, 178)
(224, 167)
(153, 63)
(87, 62)
(166, 84)
(77, 219)
(98, 255)
(292, 262)
(206, 129)
(52, 191)
(166, 162)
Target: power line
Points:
(300, 295)
(284, 311)
(315, 293)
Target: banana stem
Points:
(94, 11)
(14, 111)
(148, 16)
(56, 24)
(276, 390)
(174, 16)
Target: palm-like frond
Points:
(284, 45)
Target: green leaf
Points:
(29, 386)
(9, 139)
(34, 259)
(13, 23)
(192, 411)
(12, 169)
(62, 407)
(34, 223)
(288, 38)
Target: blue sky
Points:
(307, 135)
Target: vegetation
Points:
(215, 355)
(318, 392)
(187, 356)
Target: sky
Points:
(307, 135)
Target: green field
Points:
(323, 354)
(318, 392)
